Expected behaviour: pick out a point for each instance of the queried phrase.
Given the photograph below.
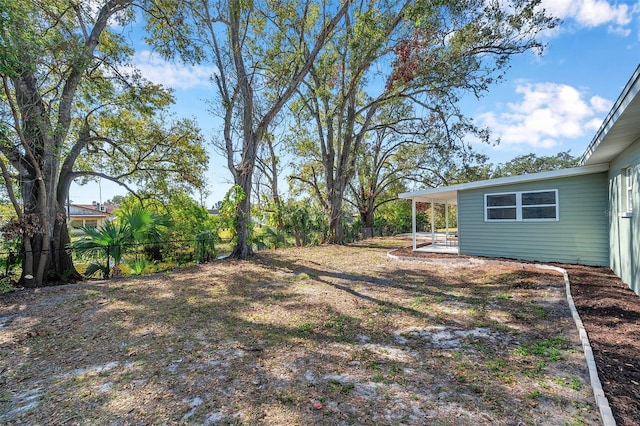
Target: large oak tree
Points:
(262, 51)
(425, 52)
(70, 108)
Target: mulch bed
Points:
(610, 312)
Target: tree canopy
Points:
(71, 108)
(262, 51)
(531, 163)
(423, 53)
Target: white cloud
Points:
(178, 76)
(592, 13)
(600, 104)
(621, 31)
(593, 124)
(547, 114)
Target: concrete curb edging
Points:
(598, 393)
(601, 400)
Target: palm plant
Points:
(145, 226)
(138, 266)
(102, 245)
(107, 244)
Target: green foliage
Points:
(97, 266)
(262, 52)
(108, 239)
(306, 224)
(481, 39)
(183, 221)
(270, 211)
(206, 246)
(10, 260)
(476, 168)
(438, 51)
(143, 225)
(269, 238)
(138, 266)
(106, 245)
(155, 152)
(229, 210)
(6, 285)
(352, 228)
(17, 40)
(531, 163)
(79, 110)
(10, 264)
(303, 224)
(395, 218)
(187, 217)
(190, 219)
(103, 245)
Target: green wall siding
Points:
(624, 232)
(580, 236)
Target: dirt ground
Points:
(610, 312)
(322, 335)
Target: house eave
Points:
(449, 193)
(620, 128)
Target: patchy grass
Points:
(323, 335)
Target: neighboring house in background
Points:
(585, 215)
(89, 215)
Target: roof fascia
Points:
(531, 177)
(630, 90)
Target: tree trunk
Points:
(367, 212)
(243, 249)
(35, 240)
(336, 228)
(62, 267)
(367, 219)
(32, 246)
(274, 185)
(46, 259)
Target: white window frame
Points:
(518, 206)
(628, 191)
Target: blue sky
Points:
(546, 104)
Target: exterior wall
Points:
(93, 221)
(580, 236)
(624, 230)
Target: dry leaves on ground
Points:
(322, 335)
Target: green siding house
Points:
(584, 215)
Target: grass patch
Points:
(336, 386)
(551, 349)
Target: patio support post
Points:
(446, 221)
(457, 224)
(433, 224)
(413, 221)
